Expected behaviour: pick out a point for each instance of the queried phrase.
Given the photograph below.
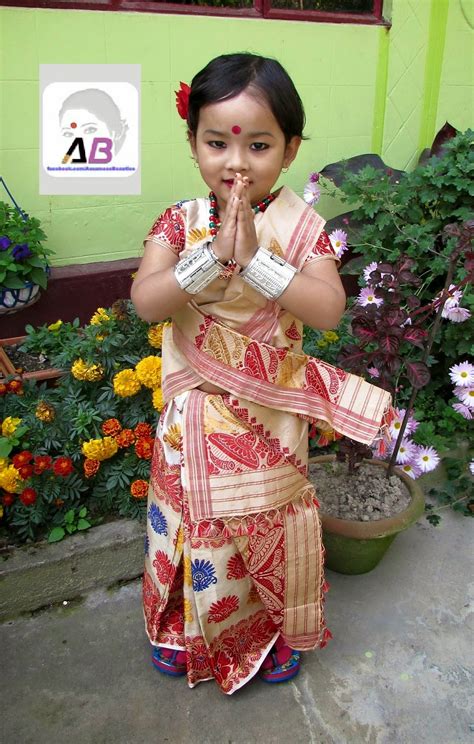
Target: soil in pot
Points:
(365, 495)
(23, 361)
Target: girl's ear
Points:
(192, 143)
(291, 151)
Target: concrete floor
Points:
(398, 670)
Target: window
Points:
(333, 11)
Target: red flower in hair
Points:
(182, 100)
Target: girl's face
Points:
(241, 135)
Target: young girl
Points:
(233, 583)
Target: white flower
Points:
(406, 451)
(471, 467)
(455, 298)
(412, 470)
(463, 410)
(465, 395)
(311, 193)
(396, 425)
(462, 374)
(338, 240)
(457, 314)
(367, 297)
(369, 269)
(426, 459)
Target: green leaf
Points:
(69, 516)
(83, 524)
(56, 534)
(83, 511)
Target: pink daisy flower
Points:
(369, 269)
(396, 425)
(366, 297)
(466, 395)
(453, 300)
(406, 452)
(338, 240)
(373, 371)
(457, 314)
(311, 193)
(463, 410)
(411, 469)
(426, 459)
(462, 374)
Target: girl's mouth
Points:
(229, 182)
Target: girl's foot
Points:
(281, 664)
(168, 661)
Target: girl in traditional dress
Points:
(233, 583)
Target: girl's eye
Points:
(259, 146)
(217, 144)
(90, 130)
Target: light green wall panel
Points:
(456, 94)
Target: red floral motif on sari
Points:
(151, 599)
(293, 333)
(266, 565)
(166, 479)
(315, 382)
(163, 567)
(240, 448)
(170, 228)
(222, 609)
(256, 365)
(236, 567)
(197, 660)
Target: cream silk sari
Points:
(234, 553)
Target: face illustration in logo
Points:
(91, 114)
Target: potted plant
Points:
(24, 264)
(405, 331)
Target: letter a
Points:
(78, 142)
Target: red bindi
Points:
(73, 125)
(236, 129)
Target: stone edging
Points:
(37, 575)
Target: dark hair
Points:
(228, 75)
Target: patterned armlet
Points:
(169, 229)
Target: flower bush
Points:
(23, 257)
(410, 329)
(87, 442)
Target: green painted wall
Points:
(363, 88)
(456, 99)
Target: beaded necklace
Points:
(215, 223)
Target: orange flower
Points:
(139, 489)
(63, 466)
(3, 389)
(142, 430)
(22, 458)
(144, 447)
(125, 438)
(42, 463)
(91, 467)
(15, 386)
(111, 427)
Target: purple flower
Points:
(21, 251)
(4, 243)
(338, 240)
(314, 177)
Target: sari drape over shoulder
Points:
(244, 453)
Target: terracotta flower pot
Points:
(8, 368)
(355, 547)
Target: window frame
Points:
(261, 9)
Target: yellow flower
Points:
(188, 615)
(3, 463)
(187, 577)
(331, 337)
(100, 316)
(9, 426)
(155, 336)
(10, 479)
(79, 369)
(149, 371)
(126, 383)
(94, 373)
(322, 343)
(55, 326)
(100, 449)
(45, 411)
(158, 402)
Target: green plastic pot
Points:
(353, 547)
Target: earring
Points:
(196, 164)
(285, 170)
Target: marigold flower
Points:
(158, 402)
(142, 430)
(100, 316)
(126, 383)
(100, 449)
(331, 337)
(63, 466)
(125, 438)
(144, 447)
(111, 427)
(91, 467)
(42, 463)
(15, 387)
(45, 411)
(3, 389)
(25, 471)
(139, 489)
(10, 479)
(8, 499)
(55, 326)
(10, 425)
(120, 309)
(155, 334)
(79, 369)
(149, 371)
(4, 463)
(22, 458)
(28, 496)
(94, 373)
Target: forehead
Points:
(249, 112)
(78, 115)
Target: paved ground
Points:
(396, 672)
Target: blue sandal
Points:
(281, 664)
(166, 661)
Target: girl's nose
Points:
(237, 160)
